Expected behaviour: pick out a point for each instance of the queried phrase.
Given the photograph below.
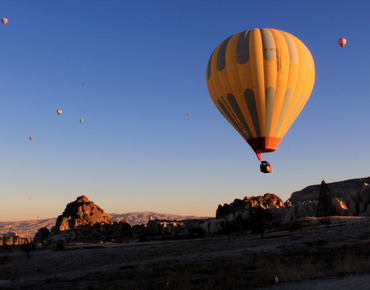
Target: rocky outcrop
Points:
(337, 189)
(121, 228)
(82, 220)
(41, 235)
(351, 202)
(340, 206)
(213, 226)
(81, 213)
(300, 210)
(164, 227)
(325, 206)
(267, 201)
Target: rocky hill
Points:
(350, 198)
(28, 228)
(267, 201)
(81, 213)
(338, 189)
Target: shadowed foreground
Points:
(247, 262)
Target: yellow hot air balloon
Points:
(59, 111)
(260, 80)
(81, 120)
(31, 138)
(4, 21)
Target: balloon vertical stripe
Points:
(226, 112)
(251, 102)
(269, 103)
(242, 123)
(242, 50)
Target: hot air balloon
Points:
(81, 120)
(59, 112)
(260, 80)
(342, 41)
(4, 21)
(188, 114)
(38, 216)
(31, 138)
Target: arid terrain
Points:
(28, 228)
(324, 255)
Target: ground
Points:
(330, 255)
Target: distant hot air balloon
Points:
(31, 138)
(38, 216)
(260, 80)
(4, 21)
(342, 41)
(188, 114)
(59, 112)
(81, 120)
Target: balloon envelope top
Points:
(260, 80)
(4, 21)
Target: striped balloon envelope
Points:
(342, 41)
(260, 80)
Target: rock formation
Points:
(340, 206)
(82, 220)
(81, 213)
(325, 206)
(267, 201)
(41, 234)
(121, 228)
(299, 210)
(337, 189)
(349, 198)
(164, 227)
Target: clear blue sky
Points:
(133, 70)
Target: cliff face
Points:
(338, 189)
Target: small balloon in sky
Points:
(59, 111)
(31, 138)
(342, 41)
(38, 216)
(81, 120)
(30, 198)
(4, 21)
(188, 114)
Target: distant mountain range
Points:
(30, 227)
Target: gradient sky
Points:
(133, 70)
